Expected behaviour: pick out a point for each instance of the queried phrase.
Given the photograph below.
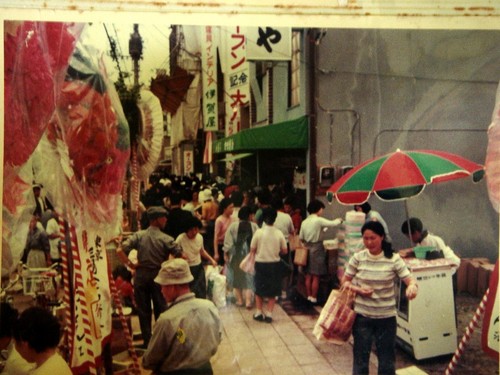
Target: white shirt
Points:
(268, 242)
(438, 243)
(191, 248)
(310, 230)
(54, 365)
(53, 228)
(284, 223)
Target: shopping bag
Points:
(248, 263)
(216, 289)
(300, 258)
(294, 241)
(337, 317)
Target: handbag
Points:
(294, 241)
(300, 258)
(337, 317)
(248, 263)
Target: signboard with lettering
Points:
(209, 73)
(269, 43)
(236, 80)
(188, 162)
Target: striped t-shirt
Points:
(379, 273)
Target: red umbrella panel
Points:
(400, 175)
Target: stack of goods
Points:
(351, 237)
(473, 275)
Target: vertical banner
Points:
(188, 162)
(209, 73)
(92, 310)
(236, 82)
(269, 43)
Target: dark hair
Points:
(269, 215)
(224, 203)
(193, 222)
(244, 212)
(290, 200)
(237, 198)
(314, 206)
(365, 207)
(39, 328)
(175, 199)
(414, 224)
(8, 316)
(378, 228)
(264, 197)
(277, 203)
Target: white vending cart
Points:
(426, 325)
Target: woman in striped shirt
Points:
(371, 274)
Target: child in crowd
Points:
(191, 243)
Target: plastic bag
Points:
(248, 263)
(216, 289)
(337, 317)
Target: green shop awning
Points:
(283, 135)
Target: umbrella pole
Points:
(407, 211)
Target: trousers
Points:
(383, 332)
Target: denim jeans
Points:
(383, 331)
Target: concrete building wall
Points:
(379, 90)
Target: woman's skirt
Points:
(36, 259)
(316, 259)
(268, 279)
(241, 279)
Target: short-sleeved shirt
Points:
(153, 247)
(310, 229)
(438, 243)
(268, 241)
(53, 228)
(379, 273)
(191, 248)
(284, 223)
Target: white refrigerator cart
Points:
(426, 325)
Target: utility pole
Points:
(135, 52)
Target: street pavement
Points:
(286, 346)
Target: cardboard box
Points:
(462, 275)
(472, 272)
(483, 278)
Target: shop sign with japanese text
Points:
(269, 43)
(209, 73)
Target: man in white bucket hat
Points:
(188, 333)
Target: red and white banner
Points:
(236, 76)
(269, 43)
(91, 308)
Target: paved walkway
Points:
(285, 346)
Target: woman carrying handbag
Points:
(371, 274)
(237, 246)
